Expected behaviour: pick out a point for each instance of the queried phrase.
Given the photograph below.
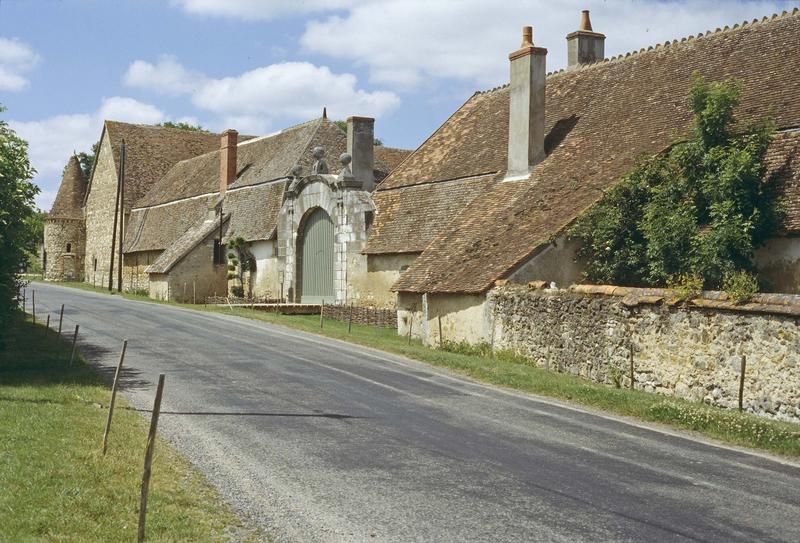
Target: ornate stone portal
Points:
(349, 209)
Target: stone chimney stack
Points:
(360, 142)
(526, 107)
(227, 159)
(584, 46)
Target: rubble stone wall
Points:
(682, 350)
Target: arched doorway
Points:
(315, 266)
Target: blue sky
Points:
(260, 65)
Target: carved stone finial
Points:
(297, 170)
(346, 173)
(320, 166)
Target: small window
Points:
(219, 253)
(69, 247)
(94, 263)
(403, 268)
(368, 216)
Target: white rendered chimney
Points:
(526, 107)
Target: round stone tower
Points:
(64, 227)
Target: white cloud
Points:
(253, 100)
(54, 139)
(406, 42)
(16, 58)
(253, 10)
(167, 76)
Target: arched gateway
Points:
(316, 262)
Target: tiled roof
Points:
(254, 199)
(155, 228)
(150, 151)
(783, 165)
(418, 212)
(599, 118)
(69, 200)
(181, 246)
(387, 159)
(254, 210)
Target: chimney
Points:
(227, 159)
(360, 143)
(526, 107)
(584, 46)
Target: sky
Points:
(261, 65)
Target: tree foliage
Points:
(184, 126)
(17, 211)
(699, 210)
(240, 259)
(87, 159)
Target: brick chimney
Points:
(526, 107)
(584, 46)
(227, 159)
(360, 143)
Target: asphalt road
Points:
(318, 440)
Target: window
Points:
(69, 247)
(368, 216)
(219, 253)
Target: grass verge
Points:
(56, 484)
(512, 371)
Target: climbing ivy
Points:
(697, 210)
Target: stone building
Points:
(149, 152)
(515, 166)
(299, 203)
(64, 232)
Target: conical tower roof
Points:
(69, 199)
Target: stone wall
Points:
(366, 315)
(60, 235)
(100, 215)
(693, 351)
(134, 276)
(373, 285)
(193, 278)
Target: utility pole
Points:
(116, 216)
(121, 213)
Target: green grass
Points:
(515, 372)
(56, 485)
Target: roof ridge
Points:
(691, 37)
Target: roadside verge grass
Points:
(512, 371)
(56, 485)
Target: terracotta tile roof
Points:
(253, 200)
(185, 243)
(254, 210)
(150, 151)
(599, 118)
(69, 200)
(155, 228)
(388, 159)
(783, 164)
(408, 218)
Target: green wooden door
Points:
(317, 251)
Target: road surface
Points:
(318, 440)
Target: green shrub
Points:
(687, 287)
(740, 286)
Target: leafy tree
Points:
(697, 211)
(240, 259)
(87, 159)
(184, 126)
(16, 211)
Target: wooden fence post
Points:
(439, 318)
(114, 394)
(410, 326)
(194, 292)
(33, 305)
(321, 314)
(148, 457)
(630, 356)
(74, 341)
(741, 381)
(491, 342)
(47, 326)
(183, 300)
(60, 320)
(24, 305)
(350, 319)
